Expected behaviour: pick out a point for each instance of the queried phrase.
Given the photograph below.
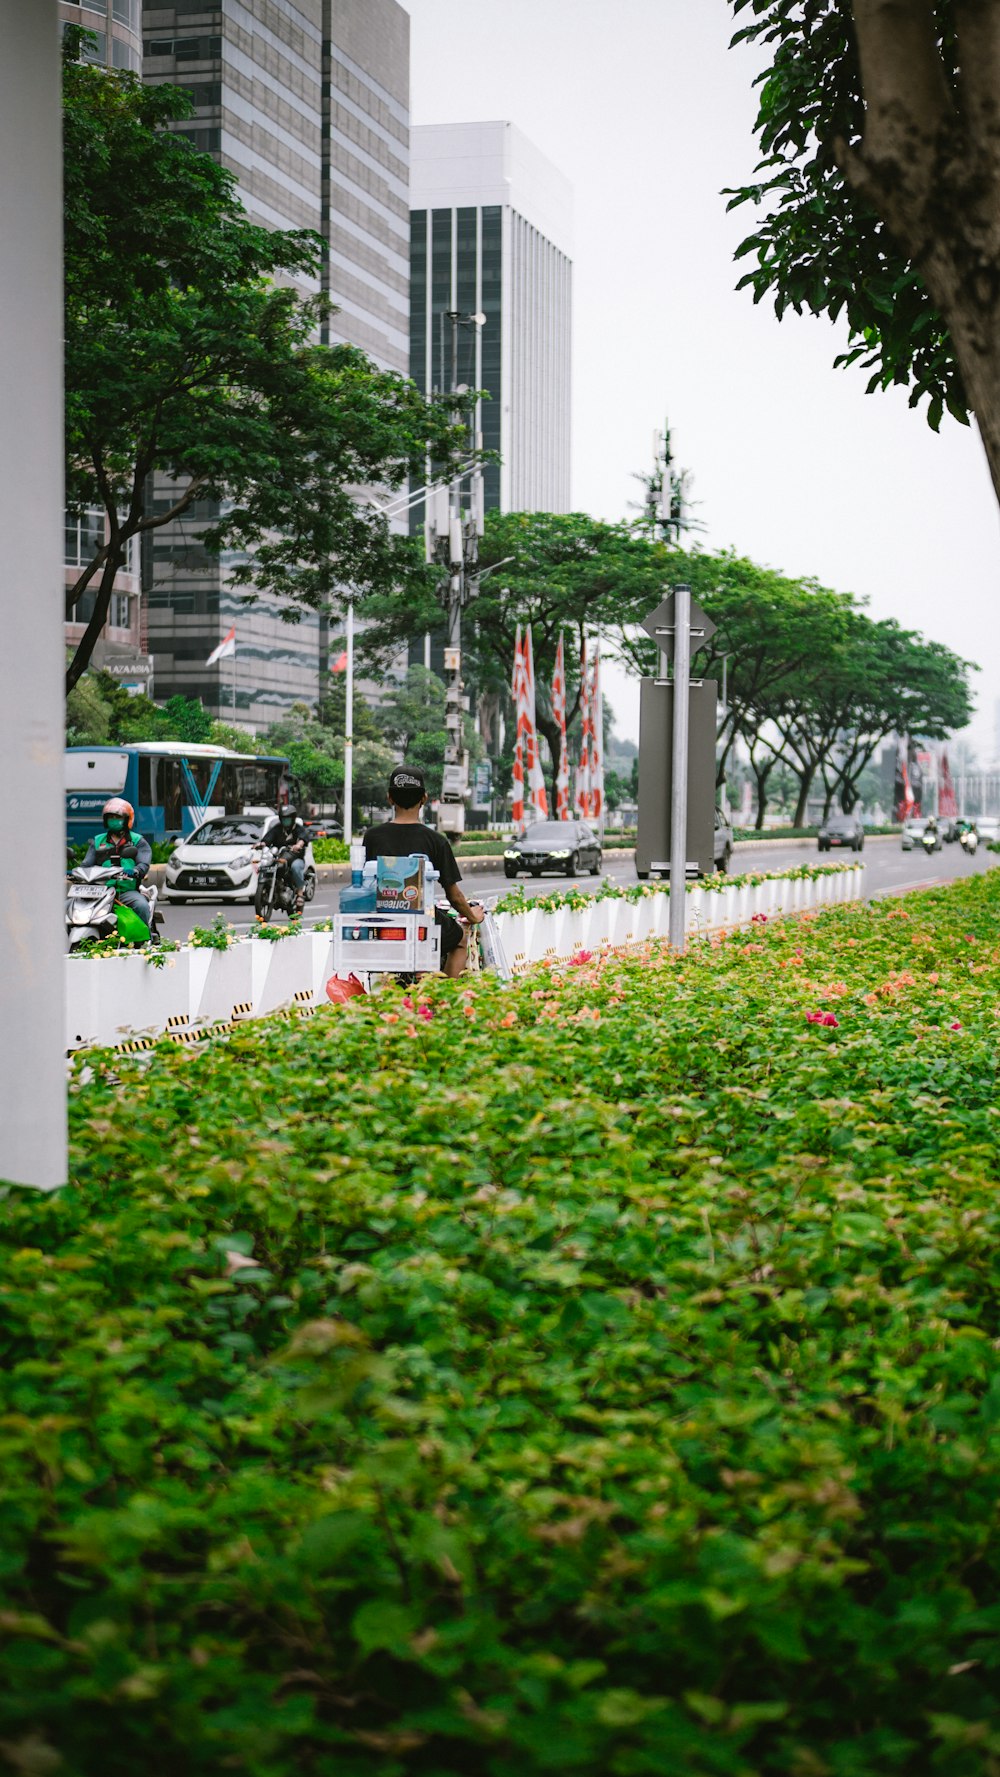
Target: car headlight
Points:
(512, 854)
(559, 854)
(173, 869)
(243, 862)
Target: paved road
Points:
(889, 870)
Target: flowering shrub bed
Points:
(596, 1374)
(518, 900)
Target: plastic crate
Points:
(376, 954)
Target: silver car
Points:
(218, 861)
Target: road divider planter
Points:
(118, 999)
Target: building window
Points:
(186, 49)
(84, 536)
(206, 141)
(119, 613)
(124, 57)
(94, 47)
(127, 13)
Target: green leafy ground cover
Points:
(594, 1375)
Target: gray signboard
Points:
(656, 714)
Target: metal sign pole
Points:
(349, 730)
(679, 768)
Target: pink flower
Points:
(826, 1018)
(581, 957)
(408, 1003)
(424, 1012)
(954, 1025)
(758, 919)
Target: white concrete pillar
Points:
(32, 798)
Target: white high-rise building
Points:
(491, 235)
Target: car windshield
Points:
(550, 833)
(841, 822)
(237, 831)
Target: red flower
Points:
(581, 957)
(954, 1025)
(826, 1018)
(758, 919)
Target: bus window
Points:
(147, 780)
(170, 792)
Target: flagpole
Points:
(349, 730)
(234, 681)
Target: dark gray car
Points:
(570, 847)
(841, 830)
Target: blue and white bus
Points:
(172, 785)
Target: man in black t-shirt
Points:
(406, 833)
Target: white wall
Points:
(32, 806)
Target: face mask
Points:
(115, 823)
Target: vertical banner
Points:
(517, 694)
(538, 801)
(562, 810)
(597, 741)
(583, 769)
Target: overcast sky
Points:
(649, 114)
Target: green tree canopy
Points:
(879, 189)
(564, 573)
(185, 355)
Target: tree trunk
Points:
(805, 778)
(88, 641)
(761, 774)
(929, 165)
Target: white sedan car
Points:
(217, 862)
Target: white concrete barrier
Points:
(114, 1001)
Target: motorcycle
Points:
(929, 840)
(276, 891)
(970, 842)
(93, 910)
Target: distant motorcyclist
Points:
(970, 839)
(126, 851)
(287, 833)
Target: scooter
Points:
(93, 910)
(970, 842)
(929, 840)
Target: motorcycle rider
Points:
(930, 834)
(287, 833)
(128, 852)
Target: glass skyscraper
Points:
(307, 102)
(490, 234)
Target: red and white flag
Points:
(596, 739)
(340, 664)
(538, 801)
(947, 801)
(517, 694)
(559, 713)
(583, 769)
(226, 647)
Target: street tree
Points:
(190, 352)
(562, 573)
(879, 189)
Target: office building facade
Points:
(307, 103)
(115, 42)
(491, 234)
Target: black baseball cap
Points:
(406, 786)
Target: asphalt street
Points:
(888, 871)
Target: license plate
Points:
(89, 894)
(203, 882)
